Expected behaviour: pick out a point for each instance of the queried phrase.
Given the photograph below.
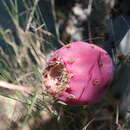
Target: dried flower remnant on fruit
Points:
(78, 73)
(56, 77)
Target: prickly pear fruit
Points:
(78, 73)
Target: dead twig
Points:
(21, 88)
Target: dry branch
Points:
(21, 88)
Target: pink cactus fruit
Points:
(78, 73)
